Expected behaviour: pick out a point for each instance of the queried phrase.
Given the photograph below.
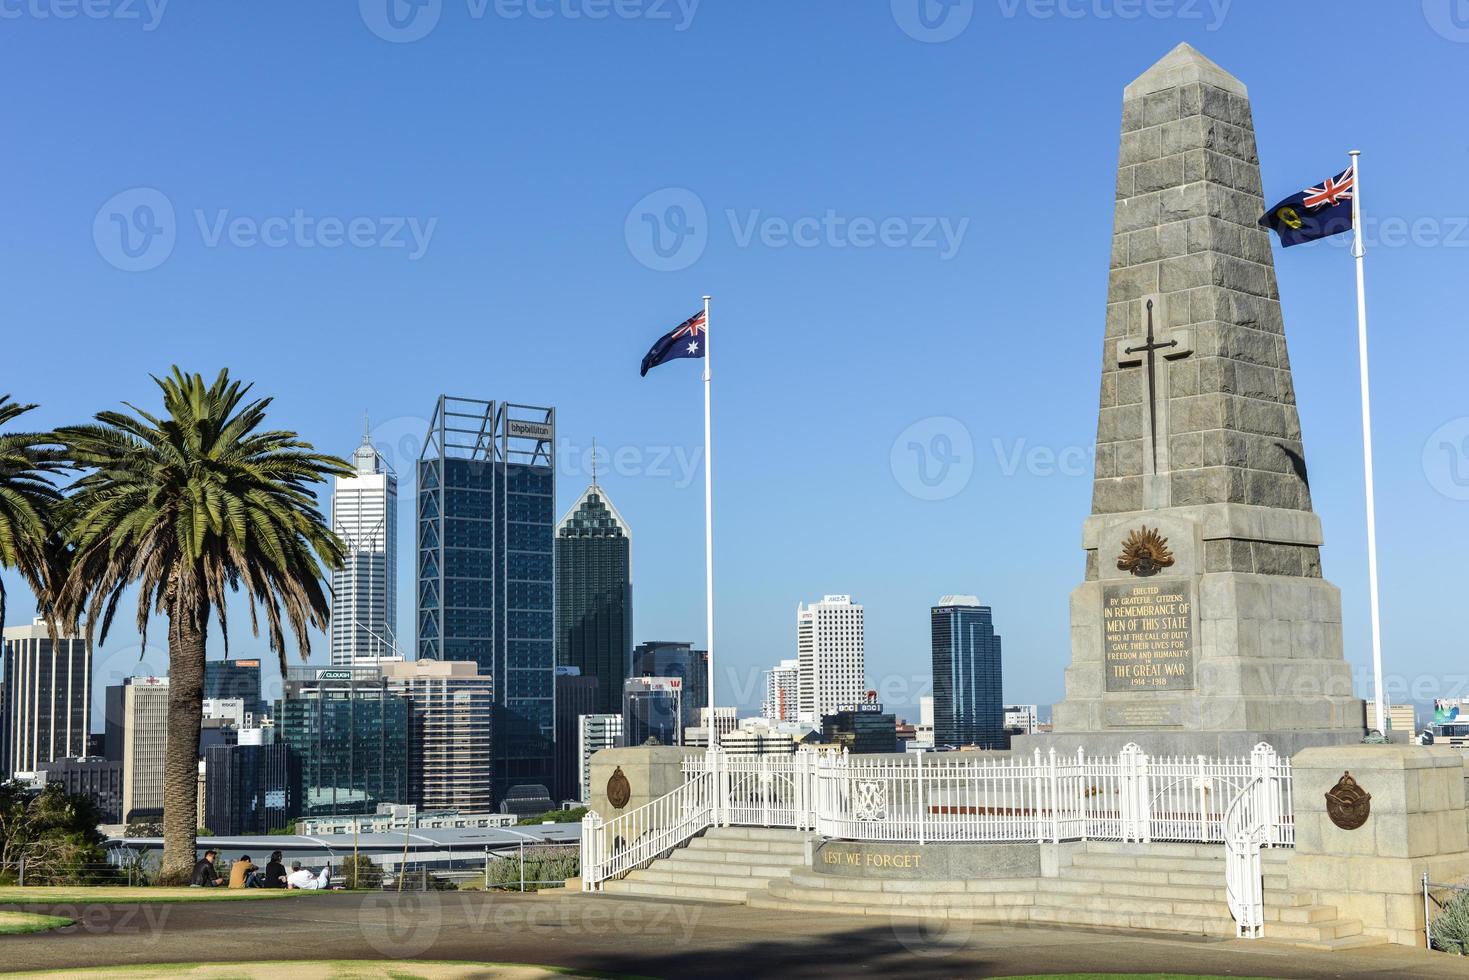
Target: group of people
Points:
(245, 874)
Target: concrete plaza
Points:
(655, 939)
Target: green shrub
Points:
(541, 870)
(1451, 926)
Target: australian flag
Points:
(1316, 212)
(688, 339)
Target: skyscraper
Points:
(48, 694)
(782, 691)
(597, 732)
(231, 680)
(351, 735)
(831, 657)
(252, 787)
(594, 595)
(661, 658)
(968, 702)
(576, 697)
(364, 604)
(486, 490)
(451, 707)
(141, 726)
(652, 708)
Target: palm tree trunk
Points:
(186, 633)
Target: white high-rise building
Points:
(144, 732)
(782, 691)
(46, 703)
(596, 732)
(364, 604)
(831, 657)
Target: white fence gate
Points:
(1244, 804)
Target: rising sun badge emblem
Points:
(1144, 553)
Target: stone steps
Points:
(1109, 886)
(726, 864)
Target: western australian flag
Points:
(1316, 212)
(688, 339)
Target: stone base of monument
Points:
(1185, 744)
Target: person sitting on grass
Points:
(275, 872)
(204, 875)
(241, 872)
(306, 881)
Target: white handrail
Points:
(958, 797)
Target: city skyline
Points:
(500, 250)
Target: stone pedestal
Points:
(651, 771)
(1417, 824)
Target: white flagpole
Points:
(709, 523)
(1360, 253)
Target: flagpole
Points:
(709, 523)
(1359, 253)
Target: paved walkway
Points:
(653, 939)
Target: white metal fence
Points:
(953, 797)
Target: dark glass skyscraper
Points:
(250, 789)
(594, 596)
(234, 679)
(968, 700)
(661, 658)
(486, 490)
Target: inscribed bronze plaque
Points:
(1348, 805)
(1148, 636)
(619, 790)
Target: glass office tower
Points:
(660, 658)
(351, 735)
(486, 489)
(594, 596)
(968, 700)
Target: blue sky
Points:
(906, 229)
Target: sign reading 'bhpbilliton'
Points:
(1148, 637)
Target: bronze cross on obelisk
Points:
(1151, 348)
(1144, 350)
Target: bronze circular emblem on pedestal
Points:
(619, 790)
(1348, 805)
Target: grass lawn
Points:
(14, 923)
(332, 970)
(105, 895)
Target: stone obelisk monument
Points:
(1203, 625)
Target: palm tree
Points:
(189, 507)
(28, 499)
